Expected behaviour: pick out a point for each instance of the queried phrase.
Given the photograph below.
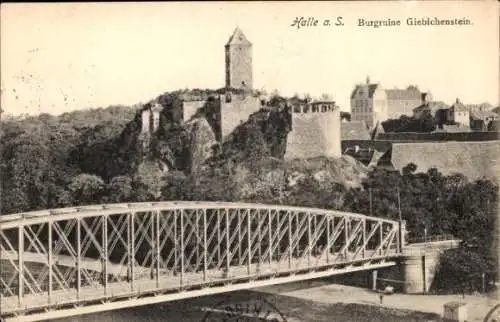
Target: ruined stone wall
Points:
(189, 108)
(314, 134)
(236, 112)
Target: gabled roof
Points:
(482, 115)
(411, 93)
(238, 38)
(432, 106)
(368, 89)
(354, 130)
(458, 106)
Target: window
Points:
(315, 108)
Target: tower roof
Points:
(238, 38)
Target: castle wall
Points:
(314, 134)
(189, 108)
(236, 112)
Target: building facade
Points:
(369, 103)
(402, 101)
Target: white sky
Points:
(61, 57)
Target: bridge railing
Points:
(431, 238)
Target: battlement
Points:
(314, 107)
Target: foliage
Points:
(86, 189)
(424, 124)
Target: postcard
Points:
(229, 161)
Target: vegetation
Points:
(90, 157)
(426, 123)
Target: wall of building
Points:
(314, 134)
(370, 110)
(236, 111)
(361, 110)
(461, 117)
(380, 108)
(397, 108)
(239, 66)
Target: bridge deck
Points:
(176, 283)
(68, 261)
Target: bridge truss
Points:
(72, 261)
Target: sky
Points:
(59, 57)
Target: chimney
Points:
(367, 80)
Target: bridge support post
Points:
(205, 246)
(374, 280)
(20, 262)
(78, 258)
(104, 274)
(50, 260)
(157, 249)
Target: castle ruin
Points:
(315, 126)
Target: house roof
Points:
(482, 115)
(432, 106)
(411, 93)
(322, 102)
(238, 38)
(365, 89)
(459, 106)
(483, 106)
(354, 130)
(473, 159)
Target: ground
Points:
(477, 306)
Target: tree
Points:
(86, 189)
(120, 189)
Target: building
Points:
(402, 101)
(239, 72)
(373, 104)
(458, 114)
(369, 103)
(481, 119)
(315, 130)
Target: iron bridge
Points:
(71, 261)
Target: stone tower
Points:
(238, 61)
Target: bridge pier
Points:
(418, 271)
